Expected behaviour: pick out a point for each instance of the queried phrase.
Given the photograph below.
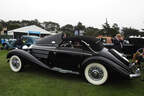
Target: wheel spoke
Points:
(95, 73)
(15, 63)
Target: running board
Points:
(62, 70)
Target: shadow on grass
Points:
(53, 74)
(115, 81)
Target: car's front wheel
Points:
(15, 63)
(96, 73)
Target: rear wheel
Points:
(96, 73)
(15, 63)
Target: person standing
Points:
(100, 37)
(118, 43)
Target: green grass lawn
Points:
(0, 45)
(35, 81)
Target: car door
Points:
(68, 58)
(68, 55)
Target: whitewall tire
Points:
(15, 63)
(96, 73)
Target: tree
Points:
(51, 26)
(3, 23)
(68, 29)
(35, 22)
(13, 26)
(110, 31)
(114, 30)
(91, 31)
(106, 29)
(25, 23)
(80, 26)
(1, 27)
(130, 32)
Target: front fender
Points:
(26, 56)
(108, 63)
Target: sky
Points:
(126, 13)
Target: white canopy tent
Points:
(28, 30)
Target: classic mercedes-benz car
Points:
(84, 55)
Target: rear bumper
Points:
(136, 74)
(136, 70)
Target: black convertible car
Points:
(84, 55)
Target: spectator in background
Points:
(100, 37)
(64, 35)
(118, 42)
(138, 57)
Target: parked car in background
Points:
(137, 42)
(8, 43)
(27, 41)
(84, 55)
(130, 46)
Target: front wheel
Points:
(96, 73)
(15, 63)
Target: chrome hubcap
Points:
(96, 73)
(15, 63)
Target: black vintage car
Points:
(130, 46)
(137, 42)
(84, 55)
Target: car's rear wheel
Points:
(15, 63)
(96, 73)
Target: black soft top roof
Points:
(48, 39)
(58, 39)
(94, 42)
(84, 38)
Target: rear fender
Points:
(107, 63)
